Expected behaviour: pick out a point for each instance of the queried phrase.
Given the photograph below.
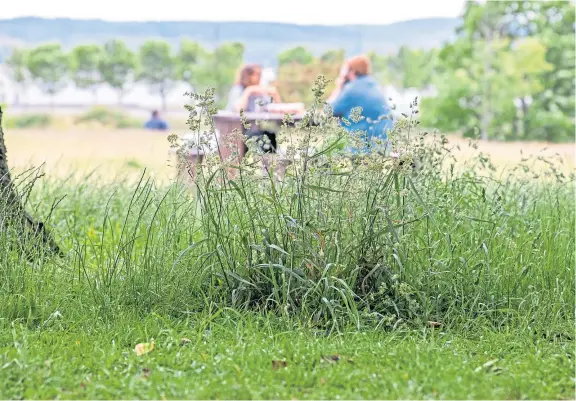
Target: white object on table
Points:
(280, 107)
(268, 76)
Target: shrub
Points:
(29, 121)
(109, 118)
(387, 242)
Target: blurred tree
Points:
(49, 67)
(550, 116)
(85, 60)
(333, 56)
(117, 66)
(192, 59)
(497, 74)
(157, 67)
(408, 68)
(220, 68)
(380, 68)
(298, 55)
(18, 72)
(295, 80)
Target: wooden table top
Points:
(225, 115)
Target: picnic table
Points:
(226, 122)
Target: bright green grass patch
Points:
(232, 358)
(342, 256)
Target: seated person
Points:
(247, 94)
(355, 87)
(156, 123)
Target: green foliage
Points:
(430, 270)
(333, 56)
(117, 66)
(509, 75)
(85, 60)
(18, 65)
(191, 64)
(497, 76)
(296, 55)
(222, 66)
(28, 121)
(408, 68)
(219, 354)
(294, 77)
(108, 118)
(339, 243)
(18, 70)
(157, 67)
(49, 67)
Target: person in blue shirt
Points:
(156, 123)
(355, 87)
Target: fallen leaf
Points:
(434, 325)
(144, 348)
(184, 341)
(279, 364)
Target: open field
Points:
(127, 152)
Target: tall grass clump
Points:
(335, 240)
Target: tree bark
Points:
(163, 97)
(12, 212)
(486, 120)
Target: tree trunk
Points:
(163, 97)
(486, 119)
(12, 212)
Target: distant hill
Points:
(263, 41)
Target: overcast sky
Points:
(322, 12)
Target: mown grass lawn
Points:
(245, 357)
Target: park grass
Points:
(242, 356)
(427, 282)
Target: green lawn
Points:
(233, 357)
(374, 278)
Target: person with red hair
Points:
(248, 91)
(355, 87)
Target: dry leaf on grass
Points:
(184, 341)
(144, 348)
(279, 364)
(434, 325)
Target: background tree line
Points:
(155, 64)
(509, 74)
